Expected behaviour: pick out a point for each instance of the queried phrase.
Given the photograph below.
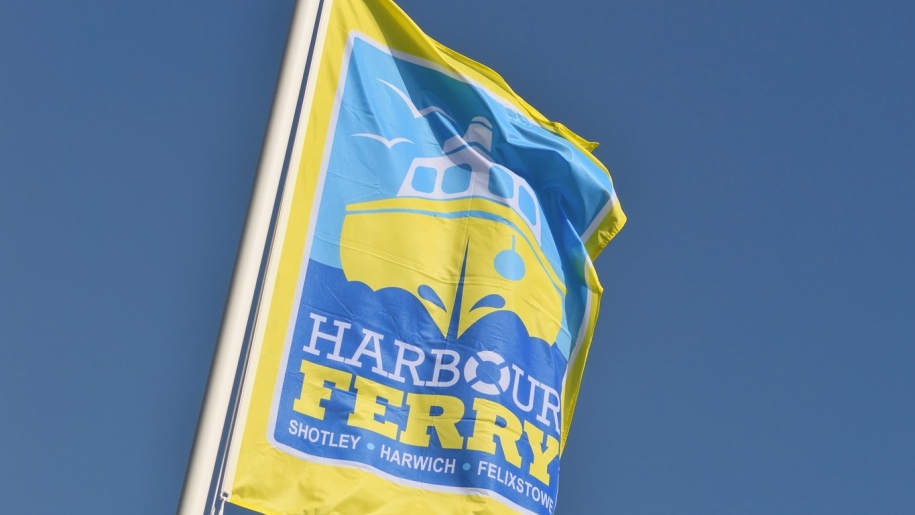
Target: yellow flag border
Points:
(293, 230)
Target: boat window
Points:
(457, 179)
(424, 179)
(500, 183)
(528, 205)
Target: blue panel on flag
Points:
(436, 312)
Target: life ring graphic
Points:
(470, 373)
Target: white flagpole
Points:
(211, 424)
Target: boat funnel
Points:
(479, 135)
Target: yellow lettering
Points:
(486, 428)
(542, 458)
(420, 419)
(314, 391)
(367, 406)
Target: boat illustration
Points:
(463, 235)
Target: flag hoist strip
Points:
(430, 295)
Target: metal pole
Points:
(211, 424)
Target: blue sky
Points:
(755, 348)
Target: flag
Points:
(429, 298)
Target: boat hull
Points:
(470, 256)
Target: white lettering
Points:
(316, 333)
(440, 366)
(373, 338)
(530, 396)
(548, 406)
(411, 364)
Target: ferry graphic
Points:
(463, 236)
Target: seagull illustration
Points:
(387, 142)
(417, 113)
